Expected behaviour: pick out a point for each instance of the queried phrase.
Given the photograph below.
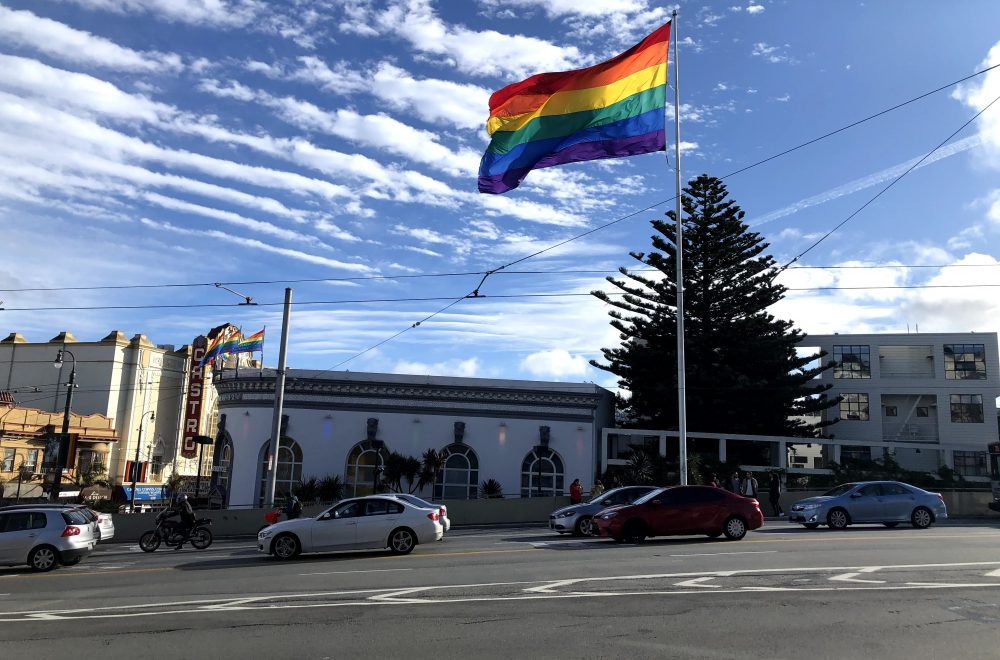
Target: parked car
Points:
(578, 518)
(681, 510)
(424, 504)
(375, 521)
(92, 516)
(886, 502)
(44, 537)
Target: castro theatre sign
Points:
(195, 399)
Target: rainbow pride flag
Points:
(225, 339)
(608, 110)
(251, 344)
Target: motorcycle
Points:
(169, 531)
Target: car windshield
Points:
(839, 490)
(650, 496)
(599, 498)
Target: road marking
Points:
(394, 596)
(373, 570)
(715, 554)
(995, 573)
(551, 586)
(697, 582)
(38, 576)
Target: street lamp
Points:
(64, 440)
(135, 464)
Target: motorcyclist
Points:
(187, 518)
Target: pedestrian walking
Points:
(575, 492)
(294, 508)
(774, 494)
(598, 488)
(733, 483)
(748, 487)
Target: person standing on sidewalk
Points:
(774, 494)
(748, 487)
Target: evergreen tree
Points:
(743, 374)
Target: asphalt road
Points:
(782, 592)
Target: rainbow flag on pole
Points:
(225, 339)
(609, 110)
(251, 344)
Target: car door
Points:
(865, 504)
(705, 510)
(898, 502)
(337, 528)
(17, 536)
(379, 517)
(667, 512)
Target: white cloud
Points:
(773, 54)
(22, 28)
(555, 363)
(977, 94)
(220, 13)
(754, 8)
(463, 368)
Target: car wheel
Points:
(43, 558)
(635, 531)
(735, 528)
(201, 538)
(838, 519)
(921, 517)
(810, 525)
(70, 562)
(402, 541)
(584, 526)
(890, 525)
(286, 546)
(149, 542)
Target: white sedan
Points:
(358, 523)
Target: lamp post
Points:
(64, 440)
(135, 463)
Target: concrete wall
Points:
(246, 522)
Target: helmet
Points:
(182, 498)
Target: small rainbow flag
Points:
(608, 110)
(251, 344)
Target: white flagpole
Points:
(679, 248)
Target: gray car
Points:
(886, 502)
(578, 518)
(44, 537)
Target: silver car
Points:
(886, 502)
(424, 504)
(578, 518)
(44, 537)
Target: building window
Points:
(855, 454)
(31, 461)
(967, 408)
(970, 463)
(156, 466)
(891, 411)
(964, 361)
(854, 407)
(89, 461)
(288, 468)
(623, 445)
(852, 362)
(458, 478)
(8, 460)
(362, 462)
(226, 464)
(541, 473)
(923, 411)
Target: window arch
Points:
(359, 477)
(542, 473)
(458, 478)
(288, 468)
(226, 468)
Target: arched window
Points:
(541, 473)
(458, 478)
(226, 468)
(359, 477)
(289, 469)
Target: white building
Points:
(929, 399)
(532, 437)
(131, 381)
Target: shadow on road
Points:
(264, 561)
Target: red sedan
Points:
(681, 510)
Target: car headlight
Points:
(809, 507)
(565, 514)
(608, 516)
(264, 533)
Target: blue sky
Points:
(200, 141)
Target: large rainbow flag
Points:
(608, 110)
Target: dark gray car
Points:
(577, 518)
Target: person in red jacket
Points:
(575, 492)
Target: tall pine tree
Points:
(743, 374)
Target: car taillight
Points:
(71, 530)
(433, 515)
(940, 497)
